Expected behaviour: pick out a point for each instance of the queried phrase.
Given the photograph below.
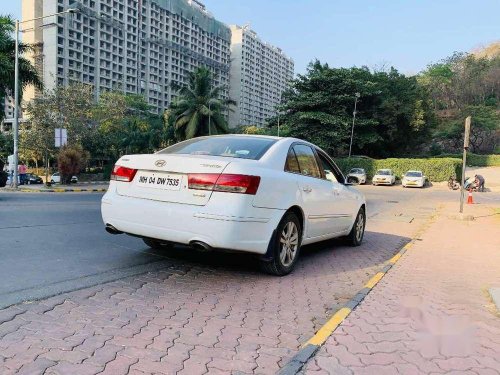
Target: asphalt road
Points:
(54, 243)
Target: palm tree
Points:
(199, 106)
(27, 72)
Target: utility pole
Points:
(356, 97)
(464, 159)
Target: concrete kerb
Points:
(295, 365)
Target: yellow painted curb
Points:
(374, 280)
(328, 328)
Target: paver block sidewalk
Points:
(194, 318)
(431, 313)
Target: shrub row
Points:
(475, 160)
(436, 169)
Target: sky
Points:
(406, 34)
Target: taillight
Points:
(202, 181)
(123, 173)
(229, 183)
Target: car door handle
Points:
(307, 189)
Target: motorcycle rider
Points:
(479, 180)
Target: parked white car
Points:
(384, 177)
(357, 175)
(257, 194)
(414, 179)
(56, 179)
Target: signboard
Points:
(61, 137)
(467, 132)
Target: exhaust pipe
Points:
(111, 229)
(200, 246)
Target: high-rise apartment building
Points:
(135, 46)
(259, 74)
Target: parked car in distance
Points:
(56, 178)
(256, 194)
(384, 177)
(31, 178)
(357, 176)
(414, 179)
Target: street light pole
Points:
(16, 108)
(356, 97)
(278, 124)
(16, 90)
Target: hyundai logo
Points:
(160, 163)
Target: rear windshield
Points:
(357, 170)
(383, 173)
(413, 174)
(228, 146)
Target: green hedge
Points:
(436, 169)
(475, 160)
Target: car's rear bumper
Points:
(220, 224)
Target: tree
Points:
(199, 106)
(127, 125)
(27, 72)
(461, 85)
(485, 129)
(392, 112)
(70, 161)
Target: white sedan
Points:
(384, 177)
(414, 179)
(257, 194)
(56, 179)
(357, 175)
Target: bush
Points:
(3, 178)
(476, 160)
(71, 160)
(436, 169)
(108, 168)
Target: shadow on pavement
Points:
(376, 249)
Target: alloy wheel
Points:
(289, 243)
(360, 226)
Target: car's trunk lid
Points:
(164, 177)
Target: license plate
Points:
(159, 180)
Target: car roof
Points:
(384, 169)
(414, 171)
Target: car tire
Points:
(355, 237)
(157, 244)
(285, 246)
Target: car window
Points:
(229, 146)
(327, 167)
(291, 164)
(413, 174)
(357, 170)
(382, 172)
(307, 161)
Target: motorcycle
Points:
(471, 183)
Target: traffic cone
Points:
(469, 198)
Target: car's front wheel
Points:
(285, 247)
(357, 233)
